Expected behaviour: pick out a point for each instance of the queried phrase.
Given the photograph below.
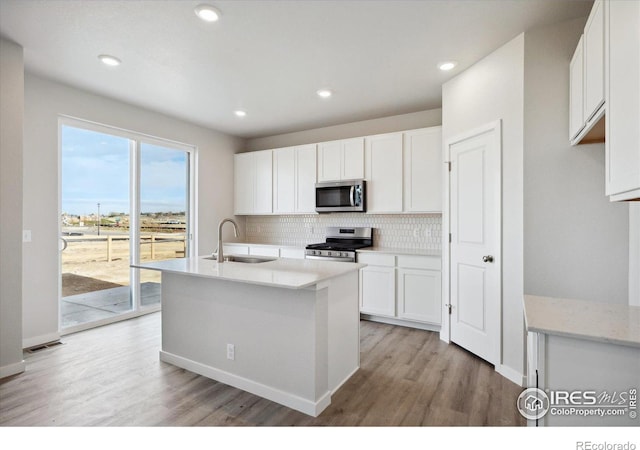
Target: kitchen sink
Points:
(243, 259)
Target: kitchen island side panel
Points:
(276, 333)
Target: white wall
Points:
(492, 89)
(576, 241)
(390, 124)
(634, 254)
(45, 100)
(11, 114)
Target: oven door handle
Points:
(329, 258)
(352, 195)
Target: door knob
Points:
(487, 258)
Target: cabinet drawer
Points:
(420, 262)
(264, 251)
(376, 259)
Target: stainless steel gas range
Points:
(341, 244)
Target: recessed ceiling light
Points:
(324, 93)
(109, 60)
(207, 13)
(240, 113)
(447, 65)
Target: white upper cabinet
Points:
(383, 162)
(264, 177)
(403, 172)
(623, 100)
(576, 92)
(305, 187)
(294, 178)
(341, 160)
(587, 81)
(253, 183)
(244, 183)
(422, 152)
(594, 61)
(352, 166)
(284, 180)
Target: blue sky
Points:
(95, 169)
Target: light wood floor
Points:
(112, 376)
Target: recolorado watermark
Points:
(588, 445)
(534, 403)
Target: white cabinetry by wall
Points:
(587, 81)
(622, 144)
(576, 91)
(403, 172)
(341, 160)
(236, 249)
(594, 61)
(263, 250)
(253, 175)
(294, 178)
(422, 153)
(419, 289)
(378, 284)
(401, 289)
(383, 172)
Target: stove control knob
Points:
(329, 253)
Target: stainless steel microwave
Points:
(341, 196)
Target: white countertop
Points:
(282, 272)
(603, 322)
(402, 251)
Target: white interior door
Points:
(475, 208)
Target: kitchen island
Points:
(286, 330)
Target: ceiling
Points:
(269, 57)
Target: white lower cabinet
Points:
(295, 253)
(419, 295)
(377, 290)
(264, 250)
(406, 289)
(236, 249)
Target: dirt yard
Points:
(86, 268)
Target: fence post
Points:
(153, 247)
(109, 248)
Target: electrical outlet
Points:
(427, 232)
(26, 235)
(416, 232)
(231, 352)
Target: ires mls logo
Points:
(534, 403)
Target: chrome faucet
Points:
(220, 256)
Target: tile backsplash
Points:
(421, 231)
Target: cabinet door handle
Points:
(487, 258)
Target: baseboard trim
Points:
(12, 369)
(399, 322)
(512, 375)
(306, 406)
(335, 389)
(39, 340)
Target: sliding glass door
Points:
(125, 199)
(164, 206)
